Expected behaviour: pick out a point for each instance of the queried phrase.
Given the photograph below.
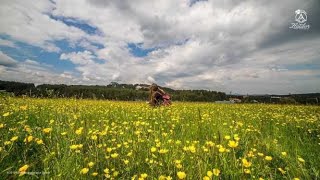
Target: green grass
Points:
(190, 132)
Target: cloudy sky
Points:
(227, 45)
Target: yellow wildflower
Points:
(268, 158)
(79, 131)
(28, 139)
(282, 171)
(39, 141)
(247, 171)
(206, 178)
(216, 172)
(246, 163)
(301, 160)
(84, 171)
(163, 151)
(260, 154)
(222, 149)
(74, 147)
(90, 164)
(233, 144)
(14, 138)
(153, 149)
(23, 170)
(181, 175)
(144, 175)
(47, 130)
(114, 155)
(94, 137)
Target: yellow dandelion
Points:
(192, 149)
(209, 174)
(301, 160)
(247, 171)
(79, 131)
(222, 149)
(260, 154)
(206, 178)
(94, 174)
(115, 173)
(39, 141)
(90, 164)
(216, 172)
(181, 175)
(114, 155)
(153, 149)
(163, 151)
(28, 139)
(47, 130)
(74, 147)
(233, 144)
(106, 170)
(23, 170)
(84, 171)
(268, 158)
(94, 137)
(6, 114)
(282, 171)
(7, 142)
(246, 163)
(144, 175)
(126, 162)
(14, 138)
(178, 166)
(162, 177)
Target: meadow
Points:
(91, 139)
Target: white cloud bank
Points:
(238, 46)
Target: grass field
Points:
(87, 139)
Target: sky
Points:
(244, 47)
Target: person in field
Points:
(158, 96)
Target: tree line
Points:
(140, 92)
(112, 91)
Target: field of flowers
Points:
(88, 139)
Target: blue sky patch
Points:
(137, 51)
(25, 51)
(76, 23)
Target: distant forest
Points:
(140, 92)
(113, 91)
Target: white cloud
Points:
(34, 72)
(6, 60)
(82, 58)
(239, 46)
(28, 21)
